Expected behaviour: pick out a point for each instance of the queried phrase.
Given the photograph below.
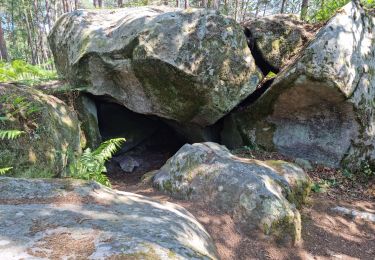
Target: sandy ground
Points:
(326, 234)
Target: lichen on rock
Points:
(260, 195)
(191, 66)
(321, 107)
(51, 138)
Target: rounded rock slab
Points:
(75, 219)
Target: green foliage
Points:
(16, 105)
(90, 165)
(10, 134)
(5, 170)
(135, 3)
(330, 7)
(367, 171)
(271, 75)
(21, 71)
(323, 185)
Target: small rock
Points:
(127, 163)
(355, 213)
(305, 164)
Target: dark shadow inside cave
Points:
(150, 142)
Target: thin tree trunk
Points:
(304, 8)
(265, 8)
(236, 10)
(257, 8)
(3, 46)
(245, 10)
(283, 6)
(120, 3)
(186, 4)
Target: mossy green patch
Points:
(52, 133)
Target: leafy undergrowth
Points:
(22, 72)
(338, 183)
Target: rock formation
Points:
(191, 66)
(258, 194)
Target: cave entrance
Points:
(150, 142)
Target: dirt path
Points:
(326, 234)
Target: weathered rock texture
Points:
(51, 136)
(189, 66)
(65, 219)
(259, 194)
(88, 116)
(322, 108)
(276, 39)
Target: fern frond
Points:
(5, 170)
(90, 165)
(105, 151)
(10, 134)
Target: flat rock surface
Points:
(63, 219)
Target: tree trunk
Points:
(304, 8)
(257, 8)
(177, 3)
(236, 10)
(186, 4)
(119, 3)
(283, 6)
(265, 8)
(3, 46)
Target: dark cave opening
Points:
(150, 142)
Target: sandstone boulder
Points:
(258, 194)
(51, 137)
(186, 65)
(321, 108)
(65, 219)
(276, 39)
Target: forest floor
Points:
(326, 234)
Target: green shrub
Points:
(91, 164)
(331, 6)
(10, 135)
(21, 71)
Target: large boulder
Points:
(187, 65)
(321, 108)
(65, 219)
(51, 137)
(276, 39)
(258, 194)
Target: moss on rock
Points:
(51, 136)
